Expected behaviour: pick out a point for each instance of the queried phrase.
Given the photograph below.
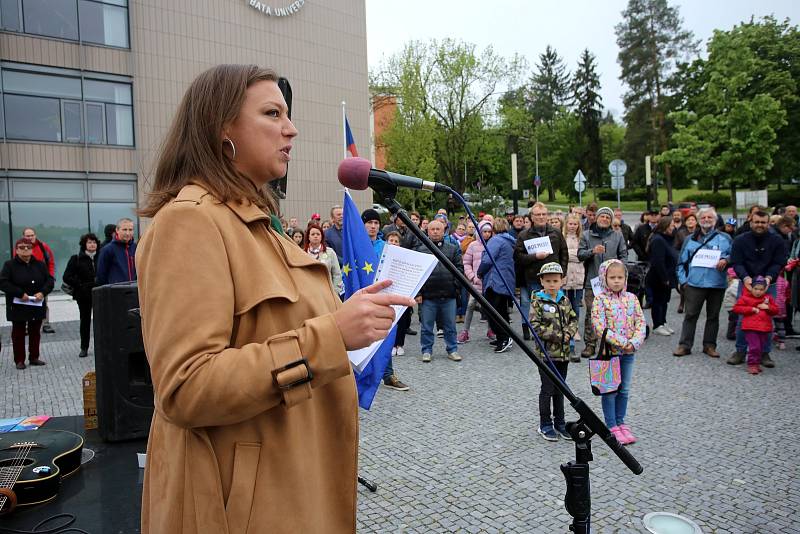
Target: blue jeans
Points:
(741, 342)
(525, 296)
(615, 405)
(443, 313)
(575, 297)
(462, 310)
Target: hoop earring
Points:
(233, 147)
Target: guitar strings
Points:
(13, 472)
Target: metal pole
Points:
(344, 131)
(514, 182)
(537, 169)
(618, 204)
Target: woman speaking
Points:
(256, 424)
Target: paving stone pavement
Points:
(459, 452)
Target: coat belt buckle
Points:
(309, 375)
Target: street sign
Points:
(537, 181)
(526, 193)
(617, 167)
(579, 177)
(580, 187)
(618, 182)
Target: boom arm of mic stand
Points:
(589, 418)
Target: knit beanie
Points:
(605, 210)
(370, 215)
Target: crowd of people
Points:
(597, 262)
(29, 277)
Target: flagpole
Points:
(344, 131)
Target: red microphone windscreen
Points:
(354, 173)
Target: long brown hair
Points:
(314, 226)
(192, 150)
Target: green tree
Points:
(451, 83)
(726, 132)
(651, 40)
(549, 87)
(589, 108)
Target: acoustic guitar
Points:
(32, 464)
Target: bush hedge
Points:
(626, 194)
(784, 196)
(719, 200)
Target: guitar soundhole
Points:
(11, 462)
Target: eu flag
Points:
(358, 270)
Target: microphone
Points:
(358, 174)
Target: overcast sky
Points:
(528, 26)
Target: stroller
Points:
(637, 271)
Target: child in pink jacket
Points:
(619, 311)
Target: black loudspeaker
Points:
(124, 386)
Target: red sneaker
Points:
(754, 369)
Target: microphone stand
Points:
(577, 500)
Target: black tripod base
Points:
(578, 500)
(371, 486)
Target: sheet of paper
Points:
(706, 258)
(538, 244)
(28, 302)
(597, 287)
(408, 270)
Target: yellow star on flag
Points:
(367, 267)
(346, 269)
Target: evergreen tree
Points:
(549, 87)
(651, 40)
(589, 108)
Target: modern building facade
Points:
(88, 89)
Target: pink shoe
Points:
(463, 337)
(618, 434)
(490, 334)
(626, 433)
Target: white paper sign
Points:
(31, 302)
(597, 286)
(538, 244)
(408, 270)
(706, 258)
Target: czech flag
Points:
(351, 143)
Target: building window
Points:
(53, 18)
(102, 22)
(50, 107)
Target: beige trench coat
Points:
(226, 304)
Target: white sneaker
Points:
(400, 351)
(456, 357)
(394, 351)
(426, 357)
(662, 331)
(669, 328)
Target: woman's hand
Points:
(367, 316)
(39, 296)
(24, 297)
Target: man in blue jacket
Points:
(757, 252)
(117, 260)
(702, 284)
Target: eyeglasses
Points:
(25, 247)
